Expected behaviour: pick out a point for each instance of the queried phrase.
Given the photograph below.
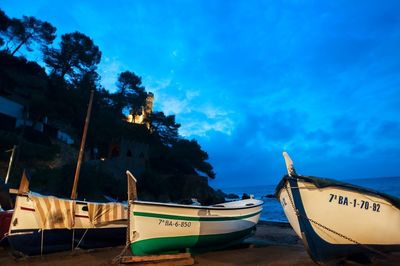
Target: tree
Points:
(130, 93)
(88, 81)
(27, 31)
(77, 55)
(190, 156)
(164, 127)
(4, 24)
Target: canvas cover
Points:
(53, 213)
(103, 213)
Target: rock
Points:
(270, 196)
(232, 196)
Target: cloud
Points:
(320, 81)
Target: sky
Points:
(251, 79)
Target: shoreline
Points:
(274, 243)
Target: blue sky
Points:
(249, 79)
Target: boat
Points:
(45, 224)
(337, 220)
(156, 228)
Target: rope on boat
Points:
(73, 238)
(81, 238)
(4, 237)
(117, 258)
(298, 214)
(41, 244)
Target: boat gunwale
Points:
(176, 205)
(326, 182)
(196, 218)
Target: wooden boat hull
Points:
(156, 228)
(337, 220)
(26, 235)
(29, 242)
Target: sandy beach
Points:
(273, 244)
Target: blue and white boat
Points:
(45, 224)
(336, 220)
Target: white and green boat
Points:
(164, 227)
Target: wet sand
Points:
(273, 244)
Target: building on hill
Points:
(126, 154)
(10, 113)
(13, 116)
(145, 112)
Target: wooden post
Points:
(78, 166)
(132, 196)
(132, 193)
(10, 163)
(179, 259)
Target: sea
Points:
(272, 210)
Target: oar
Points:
(289, 164)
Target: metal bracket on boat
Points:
(289, 164)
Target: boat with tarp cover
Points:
(337, 220)
(156, 228)
(44, 224)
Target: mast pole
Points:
(78, 165)
(10, 163)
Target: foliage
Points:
(93, 183)
(24, 32)
(28, 151)
(76, 56)
(189, 155)
(130, 93)
(4, 24)
(164, 127)
(177, 188)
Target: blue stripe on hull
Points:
(320, 250)
(28, 242)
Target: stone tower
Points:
(146, 111)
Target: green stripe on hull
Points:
(169, 244)
(189, 218)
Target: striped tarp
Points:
(102, 213)
(53, 213)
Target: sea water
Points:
(272, 210)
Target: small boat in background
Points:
(336, 220)
(156, 227)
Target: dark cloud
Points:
(388, 129)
